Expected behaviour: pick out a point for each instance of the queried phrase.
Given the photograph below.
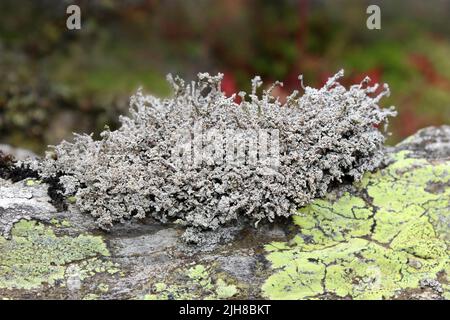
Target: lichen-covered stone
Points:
(23, 200)
(35, 256)
(194, 283)
(383, 238)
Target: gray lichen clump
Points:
(324, 136)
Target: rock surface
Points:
(386, 237)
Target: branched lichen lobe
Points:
(326, 135)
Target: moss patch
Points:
(35, 255)
(387, 237)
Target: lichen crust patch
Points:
(387, 236)
(196, 282)
(36, 256)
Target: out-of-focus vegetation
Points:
(55, 81)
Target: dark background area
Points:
(55, 81)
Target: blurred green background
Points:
(55, 81)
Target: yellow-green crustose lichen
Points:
(35, 255)
(373, 245)
(195, 283)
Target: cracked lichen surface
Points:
(196, 282)
(385, 237)
(35, 256)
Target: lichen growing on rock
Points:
(197, 282)
(371, 246)
(35, 255)
(325, 135)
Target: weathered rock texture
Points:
(386, 237)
